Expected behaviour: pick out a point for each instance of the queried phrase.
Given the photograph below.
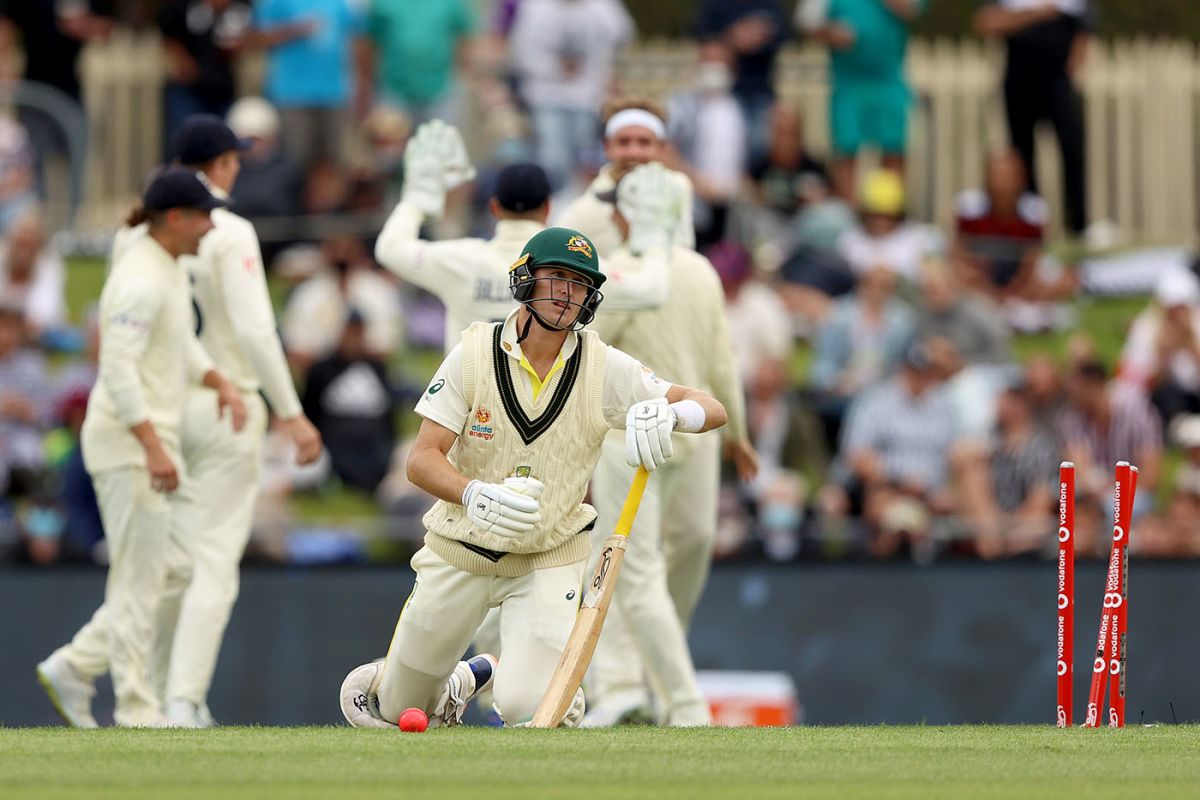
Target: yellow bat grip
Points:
(632, 500)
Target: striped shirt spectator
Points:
(24, 399)
(908, 425)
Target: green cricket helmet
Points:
(559, 247)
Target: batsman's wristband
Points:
(689, 416)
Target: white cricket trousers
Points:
(209, 523)
(213, 526)
(136, 526)
(662, 577)
(443, 612)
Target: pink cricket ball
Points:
(413, 720)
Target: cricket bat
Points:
(592, 610)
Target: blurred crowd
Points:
(892, 414)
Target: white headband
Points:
(635, 116)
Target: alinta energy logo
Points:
(480, 429)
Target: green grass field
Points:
(875, 762)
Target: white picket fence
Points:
(1140, 98)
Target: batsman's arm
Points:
(430, 469)
(714, 414)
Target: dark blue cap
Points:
(203, 137)
(179, 187)
(522, 187)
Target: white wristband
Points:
(689, 416)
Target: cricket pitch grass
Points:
(878, 762)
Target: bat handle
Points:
(632, 500)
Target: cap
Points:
(1177, 287)
(179, 187)
(253, 118)
(522, 187)
(203, 137)
(563, 247)
(882, 193)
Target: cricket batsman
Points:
(514, 421)
(131, 445)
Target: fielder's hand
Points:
(305, 437)
(435, 161)
(230, 399)
(163, 475)
(650, 198)
(500, 510)
(648, 427)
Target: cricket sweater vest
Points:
(556, 440)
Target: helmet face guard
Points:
(523, 284)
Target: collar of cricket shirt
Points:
(518, 231)
(508, 340)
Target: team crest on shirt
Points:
(580, 245)
(480, 429)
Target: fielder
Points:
(668, 561)
(131, 444)
(514, 421)
(211, 520)
(470, 276)
(635, 132)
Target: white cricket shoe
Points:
(70, 692)
(469, 678)
(184, 714)
(359, 697)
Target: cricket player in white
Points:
(687, 339)
(211, 517)
(131, 442)
(514, 421)
(635, 132)
(470, 276)
(236, 325)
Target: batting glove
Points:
(435, 161)
(530, 487)
(499, 510)
(649, 198)
(648, 427)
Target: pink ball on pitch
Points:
(413, 720)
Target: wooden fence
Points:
(1140, 103)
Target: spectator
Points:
(201, 40)
(1046, 43)
(785, 175)
(869, 101)
(52, 33)
(754, 30)
(1161, 357)
(309, 72)
(563, 52)
(410, 54)
(1044, 390)
(24, 406)
(83, 531)
(858, 346)
(384, 135)
(317, 309)
(18, 194)
(894, 462)
(269, 183)
(32, 276)
(1175, 534)
(971, 324)
(708, 131)
(1008, 488)
(349, 398)
(884, 237)
(1102, 425)
(999, 230)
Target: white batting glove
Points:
(499, 510)
(435, 161)
(530, 487)
(648, 427)
(650, 198)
